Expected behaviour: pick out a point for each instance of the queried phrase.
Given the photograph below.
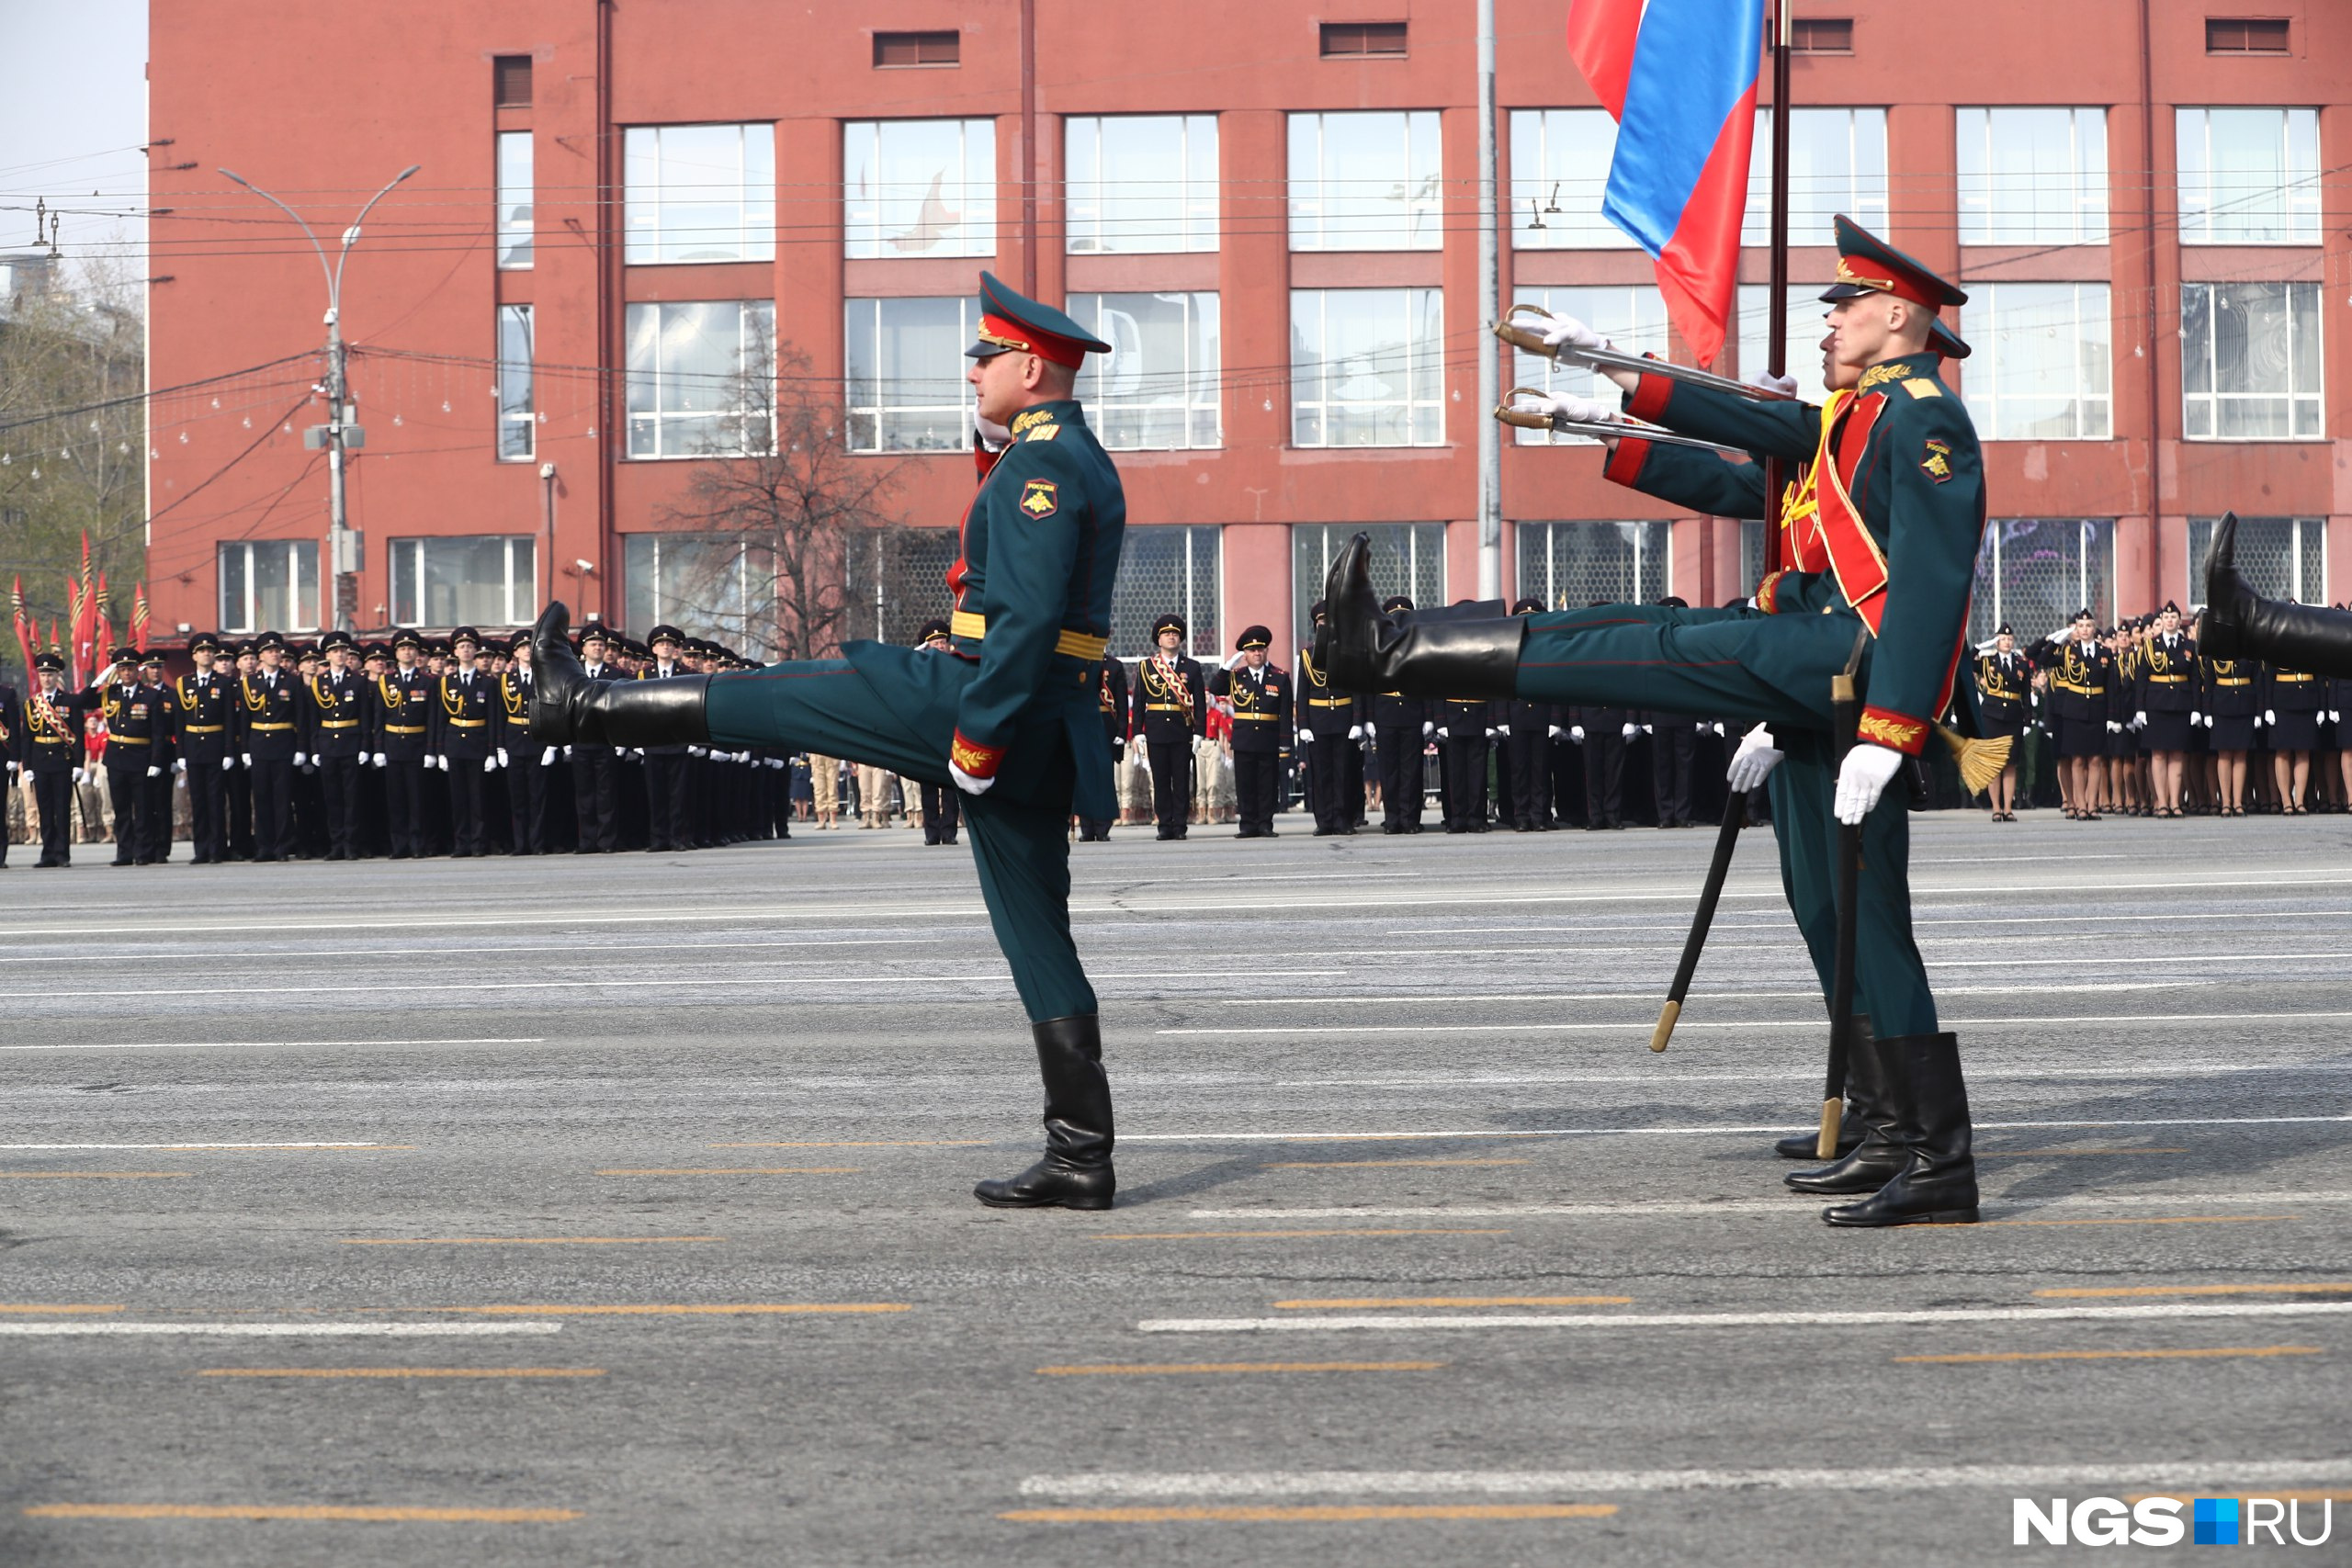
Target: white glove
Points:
(81, 774)
(490, 764)
(1862, 778)
(1503, 730)
(547, 758)
(1555, 733)
(2140, 719)
(1567, 405)
(1646, 729)
(300, 758)
(179, 765)
(1754, 759)
(697, 751)
(2195, 719)
(154, 771)
(228, 763)
(1428, 726)
(994, 436)
(966, 782)
(1576, 733)
(247, 759)
(2333, 717)
(1567, 331)
(567, 750)
(1444, 734)
(12, 767)
(1355, 732)
(2270, 716)
(1631, 730)
(2114, 727)
(1490, 732)
(1784, 385)
(379, 759)
(1716, 728)
(504, 760)
(2258, 722)
(1306, 737)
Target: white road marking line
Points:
(1792, 1203)
(1648, 996)
(258, 1045)
(281, 1330)
(1220, 1137)
(1340, 1321)
(69, 1146)
(2106, 1021)
(581, 982)
(2158, 1474)
(1975, 1075)
(2292, 917)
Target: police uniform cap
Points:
(1168, 623)
(268, 640)
(465, 634)
(671, 634)
(1527, 607)
(1395, 603)
(1253, 638)
(204, 642)
(376, 651)
(2006, 630)
(126, 654)
(2084, 614)
(306, 653)
(2171, 608)
(335, 640)
(591, 632)
(1868, 265)
(520, 640)
(406, 638)
(1318, 610)
(53, 663)
(153, 656)
(1674, 602)
(1011, 321)
(931, 628)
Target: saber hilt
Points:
(1598, 429)
(1528, 341)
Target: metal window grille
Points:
(1165, 568)
(1406, 558)
(2282, 557)
(1571, 564)
(2035, 572)
(899, 577)
(510, 77)
(1751, 552)
(896, 50)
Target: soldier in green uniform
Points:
(1008, 718)
(1900, 511)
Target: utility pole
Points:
(1491, 437)
(338, 435)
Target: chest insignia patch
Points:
(1937, 464)
(1040, 498)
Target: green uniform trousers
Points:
(1021, 846)
(1776, 669)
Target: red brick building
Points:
(1271, 213)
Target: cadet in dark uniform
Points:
(1171, 707)
(236, 664)
(1259, 693)
(527, 767)
(1401, 728)
(205, 706)
(464, 709)
(942, 807)
(1111, 703)
(1329, 721)
(2003, 679)
(596, 767)
(340, 742)
(268, 734)
(47, 746)
(1526, 734)
(2164, 698)
(2231, 702)
(668, 795)
(2291, 704)
(403, 727)
(155, 783)
(2080, 672)
(1465, 731)
(131, 724)
(1009, 720)
(1606, 732)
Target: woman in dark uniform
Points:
(2291, 704)
(2078, 670)
(2002, 675)
(2164, 705)
(2122, 769)
(2231, 705)
(2339, 698)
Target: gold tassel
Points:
(1981, 761)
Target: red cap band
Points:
(1029, 340)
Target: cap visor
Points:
(986, 351)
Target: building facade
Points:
(644, 232)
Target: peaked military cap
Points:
(1395, 603)
(2006, 630)
(376, 651)
(1674, 602)
(1868, 265)
(204, 642)
(671, 634)
(1011, 321)
(592, 632)
(1942, 340)
(1168, 623)
(465, 634)
(335, 640)
(406, 638)
(520, 640)
(1527, 607)
(935, 626)
(268, 640)
(1254, 636)
(51, 662)
(126, 654)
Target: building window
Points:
(2245, 35)
(510, 78)
(1140, 182)
(1560, 170)
(2280, 558)
(517, 417)
(1572, 564)
(700, 193)
(907, 391)
(270, 585)
(2032, 177)
(2250, 361)
(514, 200)
(695, 372)
(892, 51)
(1347, 39)
(1170, 567)
(897, 580)
(1807, 326)
(919, 187)
(1365, 182)
(481, 580)
(1406, 558)
(2033, 573)
(1821, 35)
(2042, 364)
(1837, 163)
(1367, 366)
(2248, 176)
(1157, 390)
(723, 589)
(1633, 317)
(1751, 552)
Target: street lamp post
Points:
(338, 433)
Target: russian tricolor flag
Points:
(1679, 78)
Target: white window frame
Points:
(1635, 320)
(863, 212)
(1810, 197)
(1195, 219)
(516, 198)
(1311, 197)
(1552, 209)
(513, 375)
(1981, 189)
(645, 236)
(1417, 354)
(2194, 174)
(246, 618)
(1990, 337)
(404, 569)
(2316, 398)
(964, 410)
(1197, 387)
(754, 345)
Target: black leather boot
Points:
(1851, 1125)
(2241, 624)
(1422, 653)
(1939, 1186)
(1076, 1172)
(567, 707)
(1880, 1154)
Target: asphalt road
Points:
(615, 1211)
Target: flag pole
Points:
(1776, 351)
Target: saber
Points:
(1727, 839)
(1600, 429)
(1518, 337)
(1845, 706)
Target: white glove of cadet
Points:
(547, 758)
(1503, 730)
(81, 774)
(246, 758)
(2270, 716)
(1754, 759)
(153, 770)
(1646, 729)
(179, 765)
(567, 750)
(504, 760)
(1631, 730)
(1306, 737)
(1553, 734)
(1490, 732)
(1862, 778)
(1567, 331)
(2333, 717)
(1444, 734)
(1429, 727)
(2195, 719)
(966, 782)
(1567, 405)
(697, 751)
(300, 758)
(228, 763)
(490, 763)
(2115, 727)
(2140, 719)
(1576, 733)
(1784, 385)
(1355, 732)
